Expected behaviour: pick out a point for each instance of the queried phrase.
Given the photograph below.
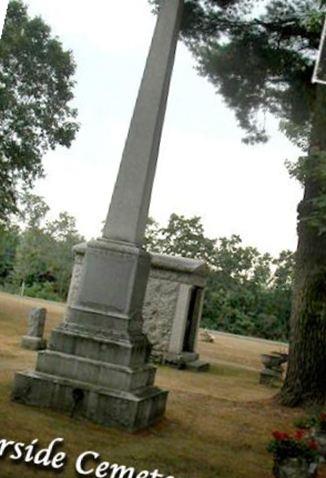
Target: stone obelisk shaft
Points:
(127, 217)
(97, 361)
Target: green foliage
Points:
(312, 168)
(36, 87)
(43, 260)
(298, 169)
(9, 238)
(182, 237)
(279, 40)
(252, 297)
(279, 43)
(45, 290)
(152, 237)
(305, 423)
(247, 292)
(316, 421)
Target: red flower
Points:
(322, 417)
(299, 434)
(279, 436)
(312, 444)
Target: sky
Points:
(3, 9)
(203, 169)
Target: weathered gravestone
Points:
(273, 371)
(34, 340)
(206, 336)
(98, 356)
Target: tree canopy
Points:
(36, 89)
(278, 40)
(37, 251)
(259, 55)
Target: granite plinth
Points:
(96, 364)
(129, 411)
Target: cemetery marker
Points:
(96, 365)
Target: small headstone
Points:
(273, 371)
(34, 340)
(270, 376)
(205, 336)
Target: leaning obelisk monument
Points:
(96, 365)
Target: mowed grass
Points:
(217, 423)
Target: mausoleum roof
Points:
(179, 264)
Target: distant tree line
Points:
(247, 292)
(36, 253)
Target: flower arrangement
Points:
(299, 445)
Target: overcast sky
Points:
(203, 168)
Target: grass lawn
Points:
(217, 423)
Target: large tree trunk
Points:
(305, 382)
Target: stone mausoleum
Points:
(172, 307)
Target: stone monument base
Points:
(96, 364)
(130, 411)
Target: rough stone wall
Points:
(158, 313)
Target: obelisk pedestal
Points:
(96, 365)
